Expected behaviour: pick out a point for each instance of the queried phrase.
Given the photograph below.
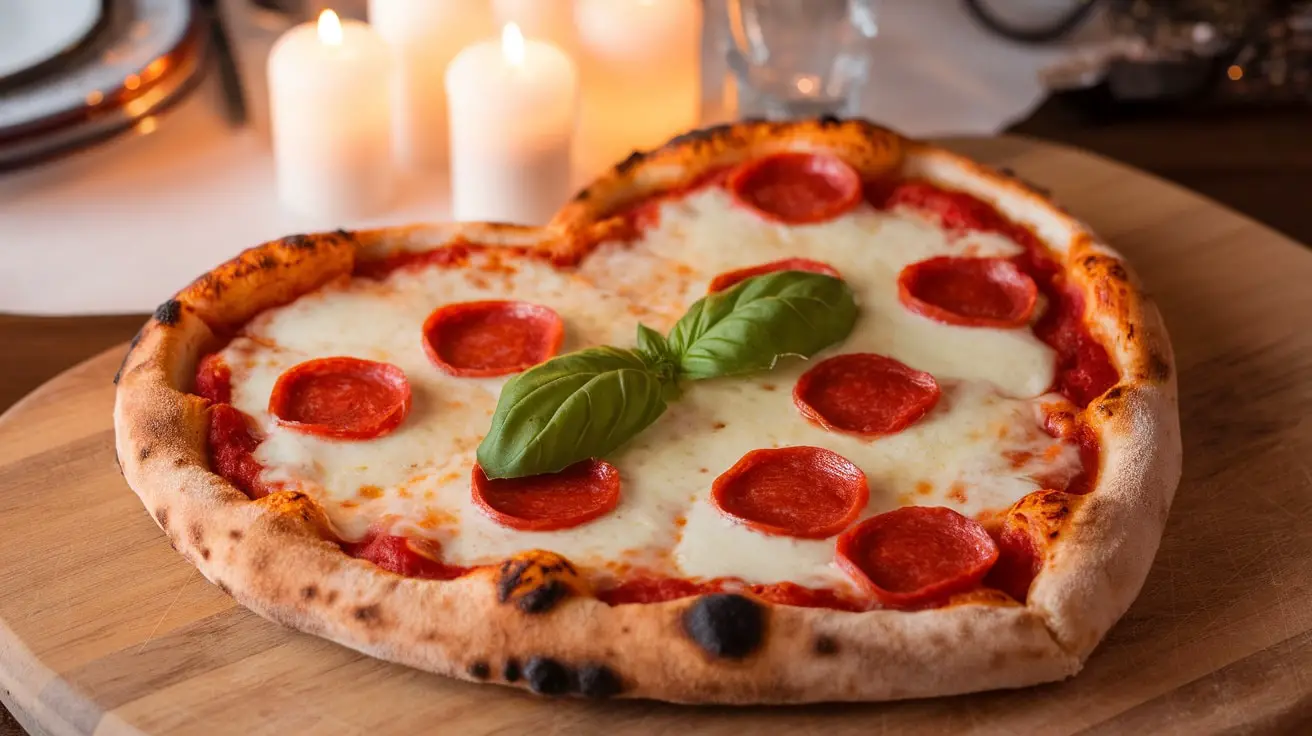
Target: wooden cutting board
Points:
(104, 629)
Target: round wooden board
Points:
(104, 629)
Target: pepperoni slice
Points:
(538, 503)
(916, 555)
(731, 278)
(797, 188)
(806, 492)
(342, 398)
(491, 338)
(865, 394)
(412, 558)
(974, 292)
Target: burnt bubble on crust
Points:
(725, 625)
(479, 670)
(169, 312)
(546, 676)
(598, 681)
(511, 672)
(535, 581)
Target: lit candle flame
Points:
(330, 28)
(512, 44)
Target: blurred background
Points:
(143, 125)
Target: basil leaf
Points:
(652, 345)
(573, 407)
(749, 327)
(655, 351)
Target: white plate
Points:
(33, 32)
(147, 30)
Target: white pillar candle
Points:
(642, 74)
(331, 128)
(425, 35)
(513, 106)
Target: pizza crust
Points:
(276, 556)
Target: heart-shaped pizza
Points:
(778, 412)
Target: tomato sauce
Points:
(657, 589)
(400, 555)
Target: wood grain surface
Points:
(104, 629)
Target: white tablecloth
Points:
(119, 228)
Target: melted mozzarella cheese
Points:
(980, 449)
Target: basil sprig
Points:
(588, 403)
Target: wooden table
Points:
(1220, 638)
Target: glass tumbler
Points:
(800, 58)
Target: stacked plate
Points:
(77, 72)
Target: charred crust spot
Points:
(542, 599)
(368, 615)
(267, 261)
(235, 535)
(143, 453)
(169, 312)
(631, 161)
(1054, 534)
(300, 242)
(583, 195)
(1114, 393)
(223, 587)
(511, 671)
(725, 625)
(598, 681)
(342, 233)
(479, 670)
(204, 553)
(331, 598)
(1106, 410)
(118, 374)
(829, 121)
(546, 676)
(535, 582)
(162, 516)
(1158, 368)
(699, 135)
(180, 462)
(825, 646)
(196, 533)
(1117, 271)
(309, 592)
(509, 576)
(1129, 331)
